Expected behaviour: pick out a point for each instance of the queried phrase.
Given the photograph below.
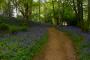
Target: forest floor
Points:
(59, 47)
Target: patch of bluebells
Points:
(84, 44)
(11, 44)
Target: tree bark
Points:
(58, 21)
(89, 11)
(53, 18)
(80, 12)
(88, 21)
(39, 8)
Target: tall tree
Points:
(59, 20)
(9, 8)
(6, 7)
(53, 18)
(2, 4)
(89, 11)
(25, 7)
(80, 11)
(88, 14)
(39, 8)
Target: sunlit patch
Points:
(14, 13)
(65, 23)
(35, 0)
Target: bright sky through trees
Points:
(40, 0)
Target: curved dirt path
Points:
(59, 47)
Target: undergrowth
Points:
(77, 39)
(16, 52)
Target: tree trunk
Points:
(26, 12)
(39, 9)
(9, 9)
(74, 7)
(58, 21)
(89, 11)
(53, 18)
(76, 12)
(88, 21)
(80, 12)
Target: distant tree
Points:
(9, 9)
(25, 7)
(89, 14)
(53, 18)
(15, 5)
(89, 10)
(6, 7)
(80, 11)
(39, 8)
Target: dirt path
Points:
(59, 47)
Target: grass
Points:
(7, 28)
(11, 20)
(12, 51)
(79, 46)
(76, 39)
(14, 28)
(11, 25)
(29, 53)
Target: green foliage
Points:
(29, 53)
(13, 51)
(44, 10)
(4, 27)
(76, 38)
(11, 20)
(12, 25)
(14, 29)
(85, 26)
(79, 46)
